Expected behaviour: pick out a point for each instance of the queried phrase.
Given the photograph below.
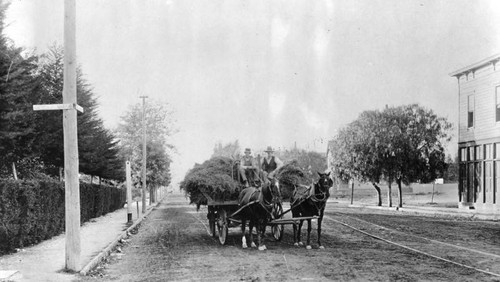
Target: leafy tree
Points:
(450, 175)
(354, 152)
(96, 145)
(159, 128)
(398, 145)
(229, 150)
(17, 85)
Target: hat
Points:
(248, 150)
(269, 149)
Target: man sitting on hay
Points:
(248, 168)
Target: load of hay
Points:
(291, 175)
(215, 178)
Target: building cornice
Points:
(472, 68)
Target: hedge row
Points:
(33, 211)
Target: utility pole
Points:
(70, 108)
(144, 153)
(129, 192)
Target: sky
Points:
(266, 73)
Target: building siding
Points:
(482, 86)
(479, 173)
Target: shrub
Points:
(32, 211)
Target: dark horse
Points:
(257, 204)
(310, 201)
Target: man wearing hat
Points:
(271, 163)
(247, 163)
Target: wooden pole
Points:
(144, 153)
(72, 185)
(129, 192)
(432, 198)
(14, 171)
(352, 191)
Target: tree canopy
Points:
(401, 144)
(33, 141)
(160, 126)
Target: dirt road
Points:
(173, 244)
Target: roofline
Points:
(493, 59)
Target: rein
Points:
(319, 202)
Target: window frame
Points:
(470, 113)
(497, 104)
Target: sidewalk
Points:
(435, 211)
(46, 261)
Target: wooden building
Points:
(479, 135)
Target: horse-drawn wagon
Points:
(225, 213)
(261, 204)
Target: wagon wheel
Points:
(211, 221)
(222, 226)
(277, 229)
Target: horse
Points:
(309, 201)
(256, 206)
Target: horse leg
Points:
(295, 241)
(320, 220)
(299, 241)
(243, 238)
(295, 230)
(308, 246)
(262, 233)
(251, 225)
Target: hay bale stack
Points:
(291, 175)
(215, 178)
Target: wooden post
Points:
(352, 191)
(72, 185)
(14, 171)
(129, 192)
(70, 108)
(137, 204)
(144, 153)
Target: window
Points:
(470, 111)
(463, 154)
(497, 103)
(471, 153)
(479, 152)
(497, 150)
(488, 151)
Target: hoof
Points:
(253, 245)
(296, 244)
(321, 247)
(301, 244)
(262, 248)
(308, 247)
(244, 246)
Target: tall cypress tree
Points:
(96, 145)
(18, 85)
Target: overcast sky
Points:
(266, 72)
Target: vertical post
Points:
(432, 198)
(14, 171)
(72, 185)
(129, 192)
(144, 153)
(352, 191)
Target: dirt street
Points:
(173, 244)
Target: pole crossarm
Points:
(52, 107)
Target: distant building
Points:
(479, 134)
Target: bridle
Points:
(318, 198)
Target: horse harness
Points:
(318, 200)
(260, 200)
